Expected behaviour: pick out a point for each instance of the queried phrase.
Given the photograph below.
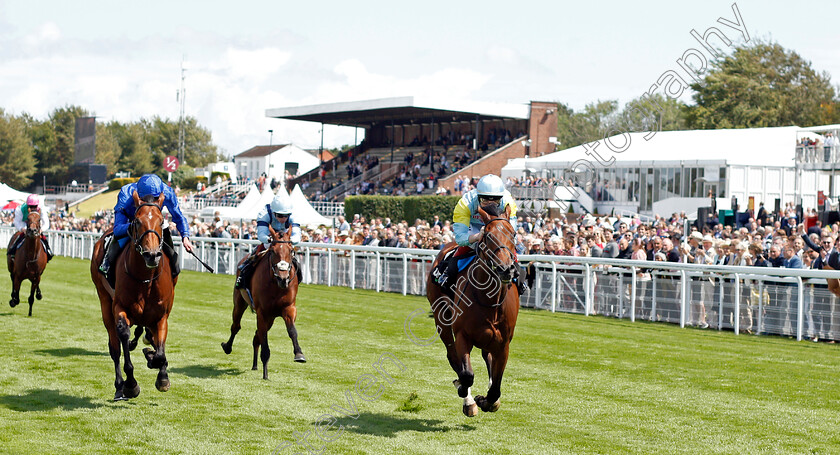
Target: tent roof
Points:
(750, 146)
(8, 193)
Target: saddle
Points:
(456, 264)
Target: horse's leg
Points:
(497, 363)
(465, 375)
(239, 306)
(16, 282)
(157, 358)
(130, 388)
(256, 343)
(114, 350)
(132, 345)
(263, 326)
(289, 314)
(33, 286)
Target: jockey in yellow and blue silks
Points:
(468, 226)
(148, 188)
(278, 215)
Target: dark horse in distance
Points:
(272, 290)
(482, 310)
(29, 261)
(143, 295)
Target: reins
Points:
(139, 247)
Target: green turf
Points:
(104, 201)
(574, 384)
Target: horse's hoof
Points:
(482, 403)
(119, 396)
(470, 410)
(162, 384)
(13, 303)
(254, 368)
(227, 348)
(38, 295)
(131, 392)
(300, 358)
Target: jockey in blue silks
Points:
(148, 188)
(278, 215)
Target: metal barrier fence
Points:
(790, 302)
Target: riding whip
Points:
(202, 262)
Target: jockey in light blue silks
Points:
(278, 215)
(148, 188)
(469, 227)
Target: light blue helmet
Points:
(491, 185)
(282, 205)
(149, 185)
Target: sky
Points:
(122, 60)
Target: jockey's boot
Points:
(14, 247)
(245, 270)
(47, 247)
(169, 250)
(520, 279)
(111, 253)
(447, 278)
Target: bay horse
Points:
(29, 262)
(482, 312)
(143, 295)
(273, 286)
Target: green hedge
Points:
(399, 208)
(426, 207)
(374, 206)
(116, 184)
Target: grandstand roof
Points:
(367, 113)
(749, 146)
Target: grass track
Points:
(574, 384)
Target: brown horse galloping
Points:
(274, 286)
(143, 295)
(483, 312)
(29, 261)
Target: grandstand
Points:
(414, 134)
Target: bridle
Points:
(137, 239)
(139, 247)
(489, 249)
(281, 265)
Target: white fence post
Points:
(736, 315)
(553, 287)
(633, 294)
(800, 310)
(352, 269)
(683, 300)
(587, 295)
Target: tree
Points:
(587, 126)
(136, 156)
(57, 151)
(199, 149)
(107, 148)
(603, 119)
(17, 156)
(761, 85)
(657, 113)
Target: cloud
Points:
(355, 82)
(46, 33)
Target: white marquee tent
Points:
(8, 193)
(304, 213)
